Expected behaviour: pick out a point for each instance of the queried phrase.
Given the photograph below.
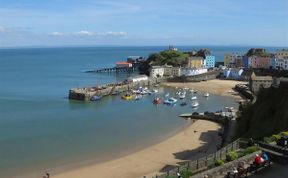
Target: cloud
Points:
(85, 32)
(89, 33)
(56, 34)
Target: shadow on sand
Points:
(210, 144)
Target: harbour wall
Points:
(196, 78)
(86, 93)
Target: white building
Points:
(192, 71)
(157, 71)
(138, 78)
(282, 63)
(176, 71)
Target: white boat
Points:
(182, 96)
(170, 101)
(96, 98)
(138, 97)
(154, 91)
(195, 104)
(206, 94)
(194, 98)
(191, 91)
(167, 95)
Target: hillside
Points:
(267, 116)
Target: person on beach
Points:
(47, 175)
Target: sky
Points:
(143, 22)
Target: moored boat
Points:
(127, 96)
(96, 98)
(194, 98)
(183, 104)
(182, 96)
(195, 104)
(157, 100)
(206, 94)
(170, 101)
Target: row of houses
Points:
(170, 71)
(198, 63)
(258, 58)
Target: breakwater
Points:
(86, 93)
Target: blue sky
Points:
(139, 22)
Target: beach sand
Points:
(194, 141)
(219, 87)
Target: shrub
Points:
(219, 162)
(247, 151)
(276, 137)
(232, 155)
(285, 134)
(186, 174)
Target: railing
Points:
(273, 148)
(204, 162)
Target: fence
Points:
(204, 162)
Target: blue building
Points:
(233, 73)
(245, 61)
(209, 61)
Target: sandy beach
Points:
(194, 141)
(219, 87)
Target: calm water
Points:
(40, 129)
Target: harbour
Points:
(52, 131)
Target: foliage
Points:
(268, 115)
(219, 162)
(232, 155)
(186, 173)
(248, 150)
(170, 57)
(276, 137)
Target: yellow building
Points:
(195, 62)
(227, 59)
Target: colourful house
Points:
(209, 61)
(264, 62)
(245, 61)
(195, 62)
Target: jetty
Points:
(114, 69)
(218, 117)
(86, 93)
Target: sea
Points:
(42, 130)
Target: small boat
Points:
(206, 94)
(182, 96)
(191, 91)
(115, 93)
(195, 104)
(195, 91)
(96, 98)
(170, 101)
(167, 95)
(194, 98)
(154, 91)
(183, 104)
(157, 100)
(127, 97)
(138, 97)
